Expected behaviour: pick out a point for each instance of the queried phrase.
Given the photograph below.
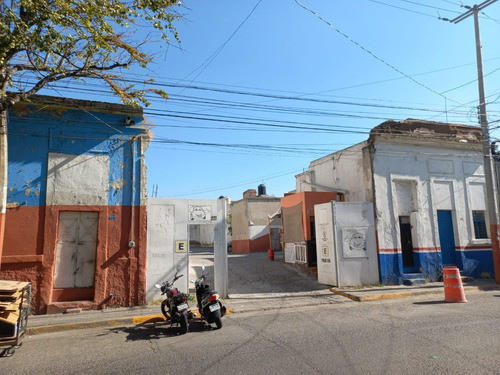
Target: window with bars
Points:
(480, 227)
(300, 253)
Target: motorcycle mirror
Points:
(203, 267)
(178, 267)
(157, 286)
(193, 281)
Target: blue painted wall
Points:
(34, 131)
(476, 263)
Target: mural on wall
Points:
(354, 242)
(200, 213)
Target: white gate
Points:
(76, 250)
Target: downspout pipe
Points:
(132, 243)
(3, 176)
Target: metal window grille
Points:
(480, 228)
(300, 253)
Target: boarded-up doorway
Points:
(75, 258)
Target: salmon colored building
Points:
(299, 237)
(75, 226)
(252, 229)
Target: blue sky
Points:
(259, 89)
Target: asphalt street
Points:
(255, 284)
(420, 335)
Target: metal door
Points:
(446, 237)
(76, 250)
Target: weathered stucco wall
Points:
(61, 159)
(441, 179)
(414, 169)
(168, 238)
(342, 170)
(250, 223)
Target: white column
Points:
(220, 250)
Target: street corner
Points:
(148, 319)
(365, 295)
(347, 295)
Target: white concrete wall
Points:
(342, 170)
(202, 234)
(168, 229)
(77, 179)
(441, 178)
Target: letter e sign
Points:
(181, 246)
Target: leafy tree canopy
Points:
(43, 41)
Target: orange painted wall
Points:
(256, 245)
(309, 199)
(2, 231)
(30, 245)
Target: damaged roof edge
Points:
(427, 129)
(88, 105)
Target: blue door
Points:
(446, 237)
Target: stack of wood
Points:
(14, 308)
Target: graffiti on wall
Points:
(200, 213)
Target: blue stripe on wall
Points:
(476, 264)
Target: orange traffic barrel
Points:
(453, 288)
(270, 254)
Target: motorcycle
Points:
(175, 306)
(209, 304)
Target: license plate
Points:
(182, 307)
(214, 307)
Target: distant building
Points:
(250, 222)
(76, 217)
(426, 182)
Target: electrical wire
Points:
(401, 8)
(429, 6)
(371, 53)
(212, 57)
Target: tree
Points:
(45, 41)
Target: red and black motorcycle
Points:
(175, 306)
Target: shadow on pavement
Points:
(431, 303)
(156, 331)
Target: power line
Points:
(371, 53)
(429, 6)
(212, 57)
(401, 8)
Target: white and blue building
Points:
(426, 182)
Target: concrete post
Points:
(220, 250)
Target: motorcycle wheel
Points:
(164, 309)
(218, 322)
(184, 323)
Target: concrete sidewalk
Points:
(243, 303)
(402, 291)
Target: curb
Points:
(136, 320)
(82, 325)
(403, 294)
(383, 296)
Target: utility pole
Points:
(483, 119)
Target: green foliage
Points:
(54, 40)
